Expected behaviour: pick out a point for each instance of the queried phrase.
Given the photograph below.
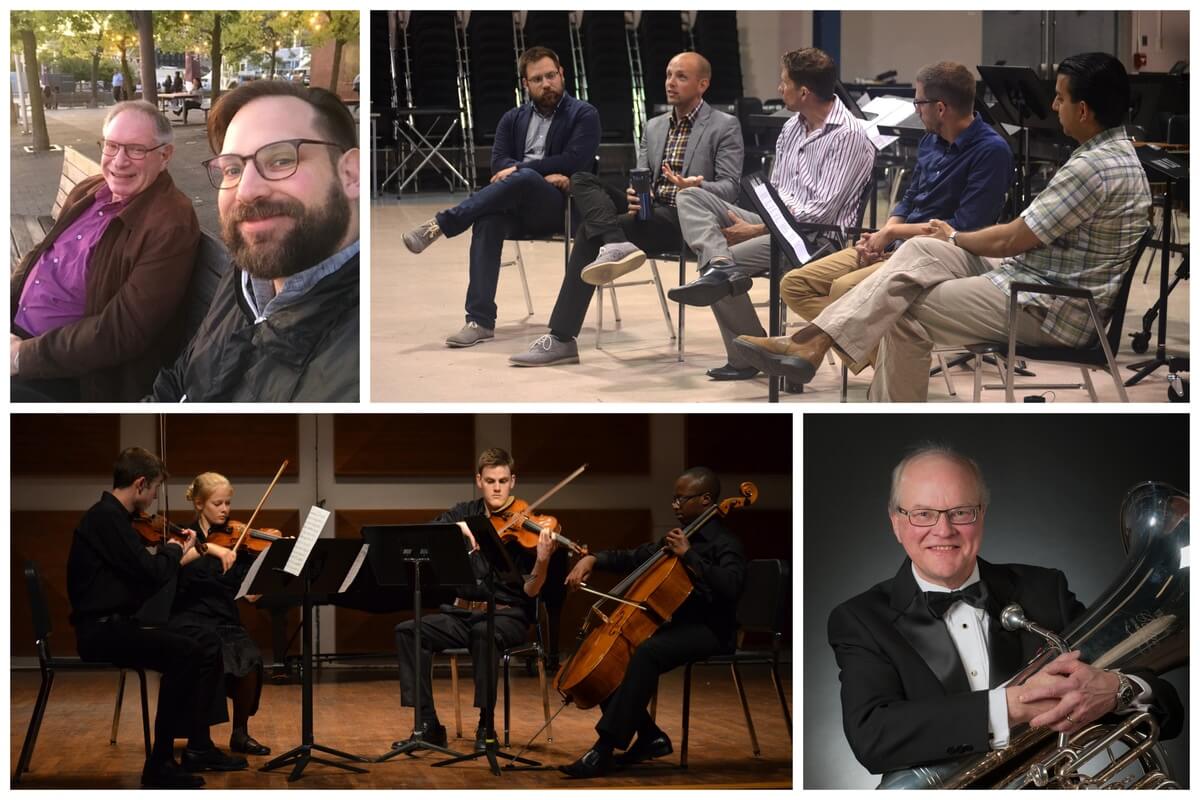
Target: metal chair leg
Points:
(454, 691)
(845, 381)
(946, 374)
(112, 738)
(741, 690)
(35, 724)
(662, 302)
(145, 711)
(687, 711)
(1087, 382)
(507, 659)
(612, 292)
(787, 714)
(599, 315)
(978, 392)
(541, 668)
(524, 280)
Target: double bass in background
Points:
(677, 604)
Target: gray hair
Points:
(945, 451)
(163, 132)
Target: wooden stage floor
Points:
(360, 713)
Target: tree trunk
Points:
(127, 86)
(215, 53)
(95, 101)
(41, 136)
(337, 64)
(272, 62)
(144, 20)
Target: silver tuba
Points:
(1139, 622)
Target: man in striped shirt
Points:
(822, 160)
(953, 288)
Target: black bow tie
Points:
(939, 602)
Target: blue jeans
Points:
(523, 204)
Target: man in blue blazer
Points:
(538, 146)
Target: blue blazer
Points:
(571, 143)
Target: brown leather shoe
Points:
(794, 357)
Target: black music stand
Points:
(751, 185)
(1021, 97)
(1160, 166)
(501, 570)
(395, 554)
(323, 573)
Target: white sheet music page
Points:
(354, 568)
(891, 111)
(783, 222)
(313, 525)
(250, 574)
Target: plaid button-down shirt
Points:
(1089, 219)
(673, 153)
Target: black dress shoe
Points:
(480, 738)
(591, 764)
(248, 745)
(710, 287)
(729, 373)
(433, 734)
(168, 775)
(212, 759)
(645, 749)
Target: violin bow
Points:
(266, 494)
(550, 493)
(166, 495)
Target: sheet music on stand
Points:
(777, 217)
(889, 111)
(359, 560)
(317, 517)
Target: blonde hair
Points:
(204, 485)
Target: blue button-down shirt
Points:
(962, 183)
(260, 293)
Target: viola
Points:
(254, 540)
(157, 529)
(515, 523)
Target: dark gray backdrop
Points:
(1057, 483)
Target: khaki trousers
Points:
(928, 293)
(809, 289)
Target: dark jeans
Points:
(446, 631)
(524, 203)
(190, 667)
(672, 646)
(604, 221)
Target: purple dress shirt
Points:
(55, 293)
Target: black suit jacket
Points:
(905, 695)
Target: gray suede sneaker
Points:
(422, 236)
(613, 261)
(547, 351)
(471, 334)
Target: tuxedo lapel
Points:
(1004, 647)
(927, 634)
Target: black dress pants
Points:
(672, 646)
(602, 209)
(190, 667)
(452, 630)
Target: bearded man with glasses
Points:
(283, 326)
(95, 305)
(923, 655)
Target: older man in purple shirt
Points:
(95, 304)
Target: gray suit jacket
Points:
(714, 150)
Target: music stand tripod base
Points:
(302, 755)
(492, 753)
(413, 744)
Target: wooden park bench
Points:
(212, 259)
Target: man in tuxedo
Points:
(923, 655)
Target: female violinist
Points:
(205, 600)
(704, 625)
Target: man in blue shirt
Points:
(538, 147)
(963, 171)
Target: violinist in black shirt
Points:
(204, 602)
(110, 574)
(705, 624)
(465, 623)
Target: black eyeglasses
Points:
(923, 102)
(135, 151)
(928, 517)
(274, 162)
(679, 500)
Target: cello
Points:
(646, 599)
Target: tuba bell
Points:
(1139, 622)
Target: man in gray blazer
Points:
(693, 146)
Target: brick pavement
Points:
(34, 178)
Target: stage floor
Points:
(361, 714)
(416, 301)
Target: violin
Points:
(251, 541)
(157, 529)
(513, 523)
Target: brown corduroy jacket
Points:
(137, 278)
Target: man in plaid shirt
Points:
(952, 288)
